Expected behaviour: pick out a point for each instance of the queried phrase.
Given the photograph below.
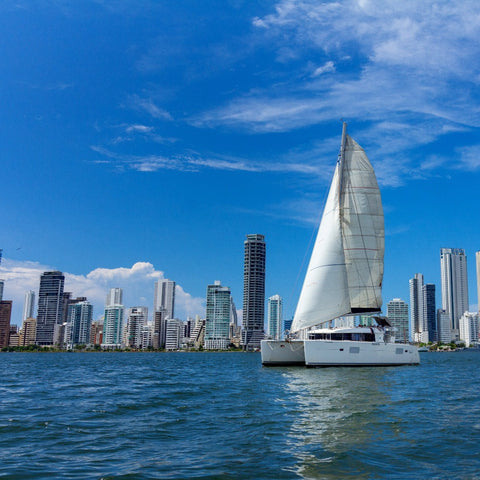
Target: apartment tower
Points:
(218, 317)
(254, 291)
(50, 306)
(453, 266)
(397, 314)
(274, 317)
(164, 297)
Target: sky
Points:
(144, 139)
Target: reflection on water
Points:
(341, 412)
(395, 422)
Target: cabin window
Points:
(399, 351)
(354, 349)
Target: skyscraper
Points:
(113, 319)
(430, 311)
(2, 284)
(114, 297)
(159, 328)
(50, 306)
(218, 316)
(137, 318)
(417, 323)
(29, 305)
(80, 319)
(164, 297)
(274, 317)
(254, 291)
(5, 315)
(453, 265)
(397, 314)
(28, 332)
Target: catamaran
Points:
(344, 279)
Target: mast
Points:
(341, 156)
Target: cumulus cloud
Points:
(136, 281)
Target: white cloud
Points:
(414, 64)
(137, 282)
(326, 68)
(470, 157)
(149, 106)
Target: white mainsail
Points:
(346, 267)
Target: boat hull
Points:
(282, 353)
(323, 353)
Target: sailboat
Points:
(344, 279)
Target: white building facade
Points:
(164, 297)
(469, 328)
(453, 266)
(397, 314)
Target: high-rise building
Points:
(96, 332)
(5, 315)
(2, 284)
(164, 297)
(453, 265)
(137, 318)
(112, 326)
(80, 320)
(50, 306)
(430, 311)
(28, 332)
(146, 336)
(218, 317)
(14, 340)
(197, 336)
(254, 291)
(397, 314)
(174, 334)
(29, 306)
(274, 317)
(114, 297)
(159, 328)
(469, 328)
(444, 327)
(418, 324)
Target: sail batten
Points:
(345, 272)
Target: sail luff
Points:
(326, 277)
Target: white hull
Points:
(322, 353)
(281, 352)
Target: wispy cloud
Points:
(386, 60)
(137, 282)
(470, 157)
(149, 106)
(194, 163)
(326, 68)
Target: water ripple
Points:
(202, 415)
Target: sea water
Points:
(223, 415)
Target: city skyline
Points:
(149, 142)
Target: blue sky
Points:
(145, 139)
